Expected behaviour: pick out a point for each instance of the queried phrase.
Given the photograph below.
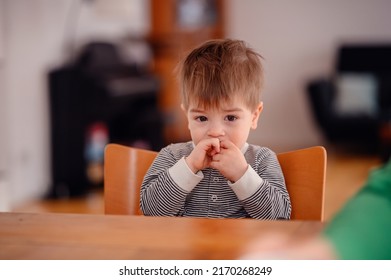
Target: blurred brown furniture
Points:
(177, 27)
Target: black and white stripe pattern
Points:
(213, 197)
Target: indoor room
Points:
(76, 75)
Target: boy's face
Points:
(231, 121)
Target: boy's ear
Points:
(183, 108)
(185, 112)
(256, 114)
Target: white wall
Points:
(4, 204)
(36, 36)
(32, 39)
(298, 40)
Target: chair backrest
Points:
(305, 177)
(124, 170)
(304, 171)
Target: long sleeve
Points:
(170, 188)
(262, 189)
(160, 194)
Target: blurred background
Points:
(77, 74)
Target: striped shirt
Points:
(170, 188)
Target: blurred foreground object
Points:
(361, 230)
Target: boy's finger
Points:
(216, 144)
(225, 144)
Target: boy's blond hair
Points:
(218, 70)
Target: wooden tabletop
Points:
(85, 236)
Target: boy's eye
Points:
(202, 118)
(231, 118)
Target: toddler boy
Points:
(218, 174)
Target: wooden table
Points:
(85, 236)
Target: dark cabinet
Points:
(98, 90)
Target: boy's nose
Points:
(215, 130)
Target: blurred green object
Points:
(362, 229)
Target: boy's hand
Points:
(202, 155)
(229, 161)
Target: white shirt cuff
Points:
(183, 176)
(247, 185)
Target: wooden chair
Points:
(305, 177)
(304, 171)
(124, 170)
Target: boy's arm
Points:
(166, 186)
(263, 193)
